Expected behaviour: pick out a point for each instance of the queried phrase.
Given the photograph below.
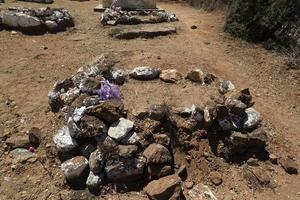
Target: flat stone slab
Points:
(100, 8)
(142, 31)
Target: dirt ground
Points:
(29, 66)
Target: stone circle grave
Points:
(104, 144)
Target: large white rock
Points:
(63, 140)
(144, 73)
(10, 20)
(27, 21)
(120, 129)
(74, 168)
(252, 119)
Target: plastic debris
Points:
(109, 91)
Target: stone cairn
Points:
(39, 21)
(117, 16)
(104, 144)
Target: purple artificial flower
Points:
(108, 91)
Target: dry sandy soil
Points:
(29, 66)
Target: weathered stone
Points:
(196, 75)
(202, 192)
(125, 169)
(158, 154)
(252, 119)
(91, 126)
(91, 100)
(18, 140)
(34, 135)
(118, 76)
(131, 138)
(170, 76)
(108, 111)
(127, 151)
(252, 162)
(22, 156)
(162, 139)
(120, 129)
(289, 165)
(157, 171)
(209, 78)
(226, 86)
(215, 177)
(52, 26)
(158, 112)
(74, 168)
(183, 124)
(89, 84)
(70, 96)
(189, 184)
(243, 95)
(256, 176)
(96, 161)
(145, 73)
(63, 140)
(165, 188)
(94, 181)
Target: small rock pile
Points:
(117, 16)
(36, 21)
(103, 143)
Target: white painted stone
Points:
(120, 129)
(63, 140)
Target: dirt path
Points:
(28, 71)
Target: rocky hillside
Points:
(274, 22)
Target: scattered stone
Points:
(202, 192)
(18, 140)
(127, 151)
(158, 154)
(252, 118)
(158, 112)
(189, 184)
(196, 75)
(39, 1)
(162, 139)
(125, 169)
(63, 140)
(89, 85)
(158, 171)
(34, 135)
(74, 168)
(165, 188)
(94, 181)
(215, 177)
(108, 111)
(256, 176)
(145, 73)
(252, 162)
(22, 156)
(119, 76)
(273, 158)
(289, 165)
(226, 86)
(91, 126)
(194, 27)
(120, 129)
(170, 76)
(96, 161)
(131, 138)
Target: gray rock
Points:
(22, 156)
(120, 129)
(202, 192)
(289, 165)
(74, 168)
(226, 86)
(20, 20)
(196, 75)
(252, 119)
(87, 150)
(96, 161)
(156, 153)
(170, 76)
(63, 140)
(94, 181)
(168, 187)
(119, 76)
(158, 112)
(131, 138)
(145, 73)
(51, 25)
(125, 169)
(70, 96)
